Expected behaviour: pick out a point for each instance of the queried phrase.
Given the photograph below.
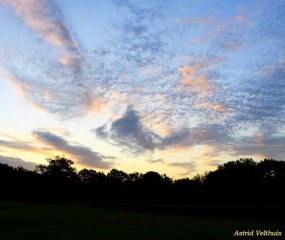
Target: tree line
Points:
(239, 182)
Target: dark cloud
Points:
(181, 137)
(129, 131)
(17, 162)
(83, 154)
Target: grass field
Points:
(83, 221)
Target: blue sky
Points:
(176, 87)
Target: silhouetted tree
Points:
(189, 191)
(7, 180)
(135, 177)
(59, 176)
(271, 179)
(92, 184)
(235, 182)
(116, 189)
(116, 176)
(152, 187)
(152, 179)
(200, 178)
(17, 182)
(88, 176)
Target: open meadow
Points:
(84, 221)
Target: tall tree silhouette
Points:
(59, 176)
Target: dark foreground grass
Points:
(70, 221)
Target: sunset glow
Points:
(176, 87)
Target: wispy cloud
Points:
(156, 160)
(190, 167)
(46, 19)
(193, 77)
(16, 145)
(84, 155)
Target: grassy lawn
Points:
(42, 221)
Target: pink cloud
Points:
(43, 17)
(192, 76)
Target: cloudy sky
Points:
(176, 87)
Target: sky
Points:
(173, 86)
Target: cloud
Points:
(128, 63)
(268, 146)
(53, 79)
(178, 138)
(215, 163)
(50, 88)
(84, 155)
(17, 162)
(183, 93)
(45, 18)
(129, 131)
(156, 161)
(195, 81)
(188, 166)
(17, 144)
(260, 100)
(198, 84)
(141, 43)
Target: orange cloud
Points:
(97, 106)
(217, 106)
(195, 79)
(70, 61)
(34, 14)
(20, 88)
(43, 19)
(192, 77)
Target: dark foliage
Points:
(240, 182)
